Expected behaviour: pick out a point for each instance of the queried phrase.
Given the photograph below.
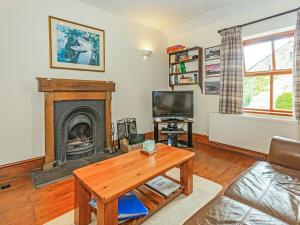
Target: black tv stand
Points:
(173, 119)
(170, 128)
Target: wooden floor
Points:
(23, 205)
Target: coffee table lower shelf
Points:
(152, 200)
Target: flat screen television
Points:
(172, 104)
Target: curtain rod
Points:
(263, 19)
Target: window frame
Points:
(270, 73)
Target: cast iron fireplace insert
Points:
(79, 129)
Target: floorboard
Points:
(23, 204)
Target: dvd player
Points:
(172, 129)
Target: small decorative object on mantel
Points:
(148, 147)
(75, 46)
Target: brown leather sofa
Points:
(267, 193)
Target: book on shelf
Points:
(172, 58)
(176, 79)
(174, 69)
(129, 207)
(171, 81)
(182, 67)
(189, 79)
(163, 185)
(195, 78)
(184, 79)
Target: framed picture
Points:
(212, 53)
(75, 46)
(213, 70)
(212, 88)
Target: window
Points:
(268, 81)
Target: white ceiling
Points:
(162, 14)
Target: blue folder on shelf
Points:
(129, 207)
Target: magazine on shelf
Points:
(163, 185)
(129, 207)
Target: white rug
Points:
(176, 212)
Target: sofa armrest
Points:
(285, 152)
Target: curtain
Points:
(296, 69)
(232, 71)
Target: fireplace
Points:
(77, 118)
(80, 138)
(79, 129)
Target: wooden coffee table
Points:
(112, 178)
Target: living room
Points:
(202, 93)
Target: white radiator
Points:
(249, 132)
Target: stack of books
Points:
(129, 207)
(163, 185)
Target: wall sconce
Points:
(146, 54)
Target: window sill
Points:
(271, 113)
(260, 117)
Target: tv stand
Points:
(173, 119)
(170, 128)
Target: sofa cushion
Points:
(270, 188)
(224, 210)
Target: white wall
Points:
(203, 32)
(24, 55)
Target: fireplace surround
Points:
(77, 118)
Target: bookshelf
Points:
(186, 67)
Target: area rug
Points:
(176, 212)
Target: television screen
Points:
(172, 104)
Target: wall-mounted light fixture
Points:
(146, 54)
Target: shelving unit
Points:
(186, 67)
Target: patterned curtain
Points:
(296, 69)
(232, 70)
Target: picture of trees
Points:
(77, 46)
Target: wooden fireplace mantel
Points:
(57, 85)
(69, 89)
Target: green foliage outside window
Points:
(284, 101)
(253, 86)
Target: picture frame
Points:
(213, 70)
(212, 53)
(75, 46)
(212, 88)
